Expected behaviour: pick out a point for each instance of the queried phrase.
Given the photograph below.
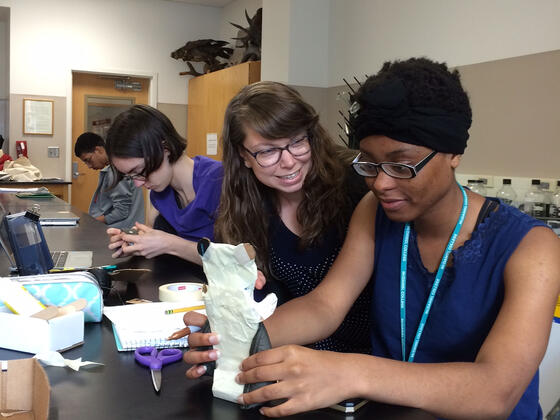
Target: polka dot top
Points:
(301, 270)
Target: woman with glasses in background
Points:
(289, 191)
(143, 145)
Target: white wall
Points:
(4, 73)
(50, 38)
(309, 37)
(368, 32)
(365, 33)
(295, 47)
(276, 44)
(4, 60)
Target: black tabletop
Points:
(121, 388)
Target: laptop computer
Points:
(26, 248)
(58, 218)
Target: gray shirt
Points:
(121, 205)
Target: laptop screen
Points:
(26, 243)
(4, 240)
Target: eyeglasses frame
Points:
(281, 149)
(142, 176)
(414, 169)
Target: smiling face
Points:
(288, 175)
(157, 180)
(407, 199)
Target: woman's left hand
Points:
(307, 379)
(148, 242)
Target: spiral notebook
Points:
(147, 324)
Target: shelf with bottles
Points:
(551, 219)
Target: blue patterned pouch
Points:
(62, 288)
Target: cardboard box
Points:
(34, 335)
(24, 390)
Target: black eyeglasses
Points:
(395, 170)
(139, 177)
(269, 157)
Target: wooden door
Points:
(96, 92)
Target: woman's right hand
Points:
(193, 356)
(115, 242)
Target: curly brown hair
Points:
(276, 111)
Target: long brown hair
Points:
(277, 111)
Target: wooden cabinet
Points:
(209, 96)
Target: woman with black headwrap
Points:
(464, 286)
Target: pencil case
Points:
(62, 288)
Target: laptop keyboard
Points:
(59, 258)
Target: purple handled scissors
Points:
(150, 357)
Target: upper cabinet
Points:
(209, 96)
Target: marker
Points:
(187, 309)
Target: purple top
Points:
(196, 220)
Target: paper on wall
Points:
(211, 144)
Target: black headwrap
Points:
(384, 110)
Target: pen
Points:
(61, 270)
(65, 269)
(180, 334)
(187, 309)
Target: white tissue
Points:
(54, 358)
(232, 312)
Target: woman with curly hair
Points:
(289, 191)
(463, 286)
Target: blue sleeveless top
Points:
(467, 301)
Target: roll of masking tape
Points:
(180, 292)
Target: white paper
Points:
(16, 190)
(211, 144)
(54, 358)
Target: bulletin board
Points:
(38, 116)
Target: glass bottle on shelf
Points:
(472, 184)
(555, 203)
(506, 193)
(481, 187)
(533, 202)
(547, 198)
(477, 186)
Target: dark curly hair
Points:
(427, 82)
(415, 101)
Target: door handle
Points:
(75, 172)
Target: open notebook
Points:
(147, 324)
(24, 243)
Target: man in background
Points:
(117, 206)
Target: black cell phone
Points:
(349, 406)
(130, 231)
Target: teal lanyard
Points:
(439, 275)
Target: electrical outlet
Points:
(53, 151)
